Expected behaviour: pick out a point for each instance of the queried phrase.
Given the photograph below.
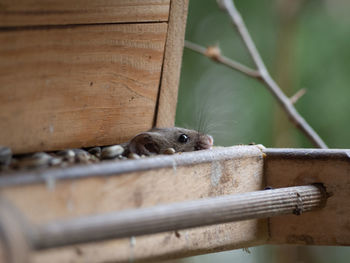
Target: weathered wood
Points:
(66, 12)
(111, 186)
(14, 246)
(78, 86)
(178, 178)
(172, 64)
(178, 216)
(290, 167)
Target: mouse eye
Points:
(183, 138)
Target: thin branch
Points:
(265, 77)
(229, 7)
(223, 60)
(283, 100)
(294, 99)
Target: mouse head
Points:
(157, 140)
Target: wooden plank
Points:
(66, 12)
(78, 86)
(178, 216)
(172, 64)
(328, 226)
(168, 179)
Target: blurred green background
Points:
(304, 44)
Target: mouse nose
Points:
(210, 140)
(206, 142)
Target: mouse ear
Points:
(143, 143)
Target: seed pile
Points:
(64, 158)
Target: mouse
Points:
(159, 140)
(152, 142)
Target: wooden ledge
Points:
(307, 154)
(69, 193)
(56, 194)
(291, 167)
(107, 168)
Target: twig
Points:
(261, 74)
(294, 99)
(223, 60)
(284, 101)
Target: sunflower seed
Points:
(95, 151)
(133, 156)
(169, 151)
(112, 152)
(36, 160)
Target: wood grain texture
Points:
(179, 216)
(172, 64)
(78, 86)
(217, 172)
(328, 226)
(66, 12)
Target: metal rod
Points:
(209, 211)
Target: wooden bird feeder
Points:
(85, 73)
